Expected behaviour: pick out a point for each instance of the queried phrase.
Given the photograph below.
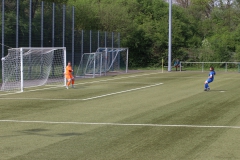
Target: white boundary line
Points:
(132, 76)
(104, 95)
(121, 124)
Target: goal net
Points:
(31, 67)
(90, 65)
(103, 61)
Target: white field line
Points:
(106, 80)
(104, 95)
(121, 124)
(129, 90)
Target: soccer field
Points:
(144, 115)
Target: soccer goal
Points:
(102, 62)
(90, 65)
(204, 66)
(31, 67)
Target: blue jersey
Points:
(211, 73)
(176, 63)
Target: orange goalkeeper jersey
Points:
(68, 70)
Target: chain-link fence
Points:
(33, 23)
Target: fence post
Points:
(42, 12)
(105, 39)
(127, 62)
(30, 24)
(2, 39)
(98, 39)
(63, 40)
(17, 23)
(112, 40)
(113, 51)
(73, 28)
(82, 44)
(3, 12)
(118, 40)
(53, 24)
(90, 34)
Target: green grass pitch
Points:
(144, 115)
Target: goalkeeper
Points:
(69, 76)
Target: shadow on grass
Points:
(70, 134)
(36, 130)
(42, 132)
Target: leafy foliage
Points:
(144, 27)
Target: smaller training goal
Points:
(31, 67)
(102, 62)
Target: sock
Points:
(206, 85)
(68, 83)
(72, 81)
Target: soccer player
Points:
(69, 76)
(210, 79)
(177, 64)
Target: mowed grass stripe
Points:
(41, 88)
(90, 98)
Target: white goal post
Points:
(31, 66)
